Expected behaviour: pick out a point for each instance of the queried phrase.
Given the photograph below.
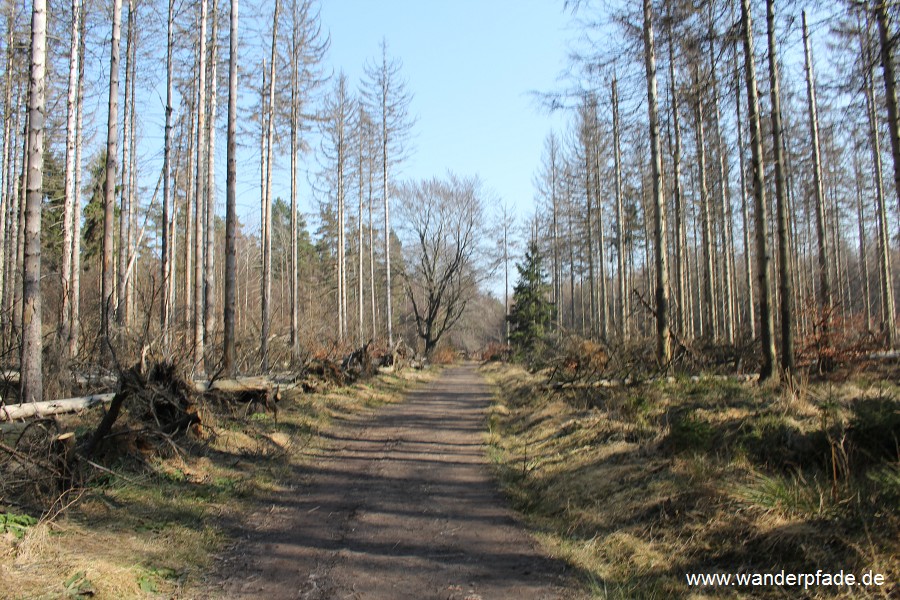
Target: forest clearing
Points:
(251, 252)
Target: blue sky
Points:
(470, 65)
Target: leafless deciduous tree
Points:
(445, 233)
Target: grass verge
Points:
(149, 526)
(639, 485)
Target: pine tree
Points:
(532, 312)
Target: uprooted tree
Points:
(446, 241)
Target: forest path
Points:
(400, 504)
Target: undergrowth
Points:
(638, 485)
(147, 526)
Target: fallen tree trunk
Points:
(12, 412)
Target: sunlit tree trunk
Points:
(70, 244)
(166, 262)
(125, 192)
(707, 304)
(231, 196)
(884, 249)
(818, 187)
(209, 285)
(620, 217)
(75, 280)
(112, 142)
(863, 242)
(750, 306)
(200, 195)
(663, 342)
(767, 323)
(31, 382)
(267, 202)
(786, 294)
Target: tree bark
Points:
(663, 337)
(267, 203)
(200, 199)
(167, 229)
(708, 321)
(890, 86)
(784, 251)
(209, 285)
(71, 245)
(767, 323)
(31, 383)
(231, 196)
(620, 217)
(884, 248)
(818, 188)
(112, 142)
(124, 241)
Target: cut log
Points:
(11, 412)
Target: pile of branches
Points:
(41, 464)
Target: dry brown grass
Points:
(637, 486)
(151, 530)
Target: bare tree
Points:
(385, 95)
(444, 225)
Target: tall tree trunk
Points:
(209, 286)
(863, 243)
(374, 303)
(723, 207)
(75, 279)
(31, 382)
(884, 248)
(112, 142)
(125, 192)
(890, 86)
(750, 305)
(166, 262)
(295, 150)
(786, 293)
(200, 195)
(231, 196)
(587, 144)
(663, 342)
(70, 244)
(8, 176)
(603, 301)
(767, 322)
(188, 291)
(678, 197)
(708, 305)
(620, 217)
(818, 188)
(359, 231)
(267, 203)
(130, 249)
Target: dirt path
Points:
(400, 505)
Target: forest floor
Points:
(641, 485)
(399, 504)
